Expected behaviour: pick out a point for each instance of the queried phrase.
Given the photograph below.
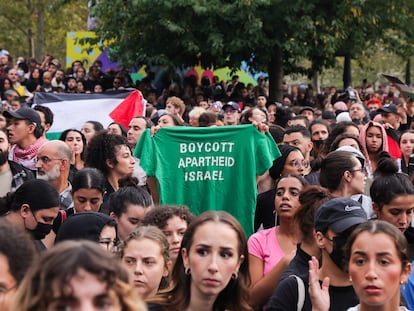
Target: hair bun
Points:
(128, 182)
(386, 165)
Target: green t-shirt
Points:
(212, 168)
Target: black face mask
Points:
(3, 156)
(337, 255)
(41, 231)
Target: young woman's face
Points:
(374, 139)
(88, 131)
(271, 112)
(349, 142)
(8, 284)
(130, 219)
(407, 144)
(74, 141)
(287, 196)
(358, 178)
(295, 163)
(212, 261)
(376, 270)
(7, 84)
(398, 212)
(114, 129)
(107, 238)
(352, 130)
(146, 265)
(174, 231)
(125, 165)
(87, 200)
(166, 121)
(84, 292)
(36, 73)
(81, 88)
(18, 131)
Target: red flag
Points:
(129, 108)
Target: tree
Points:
(34, 27)
(271, 35)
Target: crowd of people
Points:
(215, 199)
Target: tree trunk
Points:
(347, 77)
(315, 83)
(276, 75)
(30, 38)
(39, 32)
(408, 72)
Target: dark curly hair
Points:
(158, 216)
(102, 148)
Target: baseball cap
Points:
(54, 62)
(388, 108)
(24, 114)
(233, 105)
(307, 108)
(339, 214)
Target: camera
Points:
(348, 95)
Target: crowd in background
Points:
(332, 221)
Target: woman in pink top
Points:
(271, 250)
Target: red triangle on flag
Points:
(129, 108)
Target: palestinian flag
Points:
(73, 110)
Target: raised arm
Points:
(319, 295)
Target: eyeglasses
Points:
(299, 163)
(110, 244)
(46, 159)
(361, 169)
(230, 111)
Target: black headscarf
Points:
(276, 170)
(84, 226)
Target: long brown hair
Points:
(234, 296)
(56, 267)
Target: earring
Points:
(350, 279)
(187, 271)
(402, 282)
(234, 275)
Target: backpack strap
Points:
(301, 292)
(64, 215)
